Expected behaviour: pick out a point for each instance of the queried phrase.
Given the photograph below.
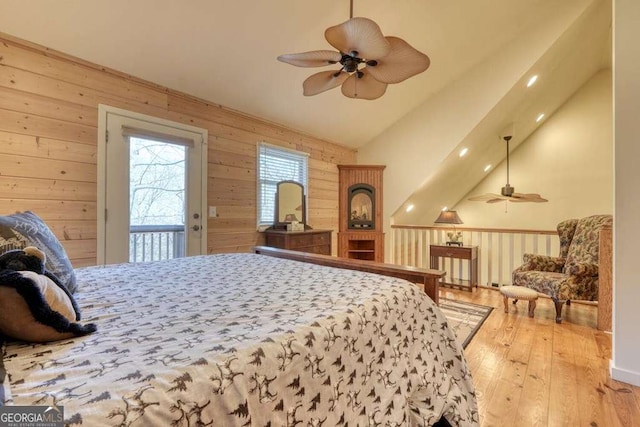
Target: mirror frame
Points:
(283, 224)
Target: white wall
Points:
(568, 160)
(625, 365)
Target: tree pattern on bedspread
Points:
(249, 340)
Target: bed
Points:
(248, 340)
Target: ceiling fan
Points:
(508, 192)
(369, 61)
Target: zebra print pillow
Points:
(11, 240)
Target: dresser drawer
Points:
(300, 240)
(314, 241)
(320, 249)
(321, 238)
(451, 252)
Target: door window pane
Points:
(157, 196)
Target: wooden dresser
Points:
(313, 241)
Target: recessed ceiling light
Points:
(486, 168)
(463, 152)
(409, 208)
(540, 117)
(532, 80)
(444, 209)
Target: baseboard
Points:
(628, 377)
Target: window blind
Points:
(274, 165)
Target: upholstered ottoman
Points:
(519, 292)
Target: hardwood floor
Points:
(534, 372)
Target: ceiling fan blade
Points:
(498, 200)
(361, 35)
(487, 197)
(323, 81)
(314, 58)
(402, 62)
(528, 197)
(365, 87)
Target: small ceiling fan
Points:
(369, 61)
(508, 192)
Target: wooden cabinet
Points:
(361, 245)
(469, 253)
(313, 241)
(360, 212)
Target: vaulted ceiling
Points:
(225, 51)
(569, 62)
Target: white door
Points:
(152, 188)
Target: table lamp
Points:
(451, 217)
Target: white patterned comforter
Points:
(244, 339)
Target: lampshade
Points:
(448, 217)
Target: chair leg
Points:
(532, 307)
(559, 305)
(506, 304)
(568, 302)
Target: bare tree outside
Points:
(157, 199)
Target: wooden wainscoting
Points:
(48, 148)
(500, 251)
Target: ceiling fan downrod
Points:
(507, 190)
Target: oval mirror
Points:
(290, 203)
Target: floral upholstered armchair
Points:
(574, 274)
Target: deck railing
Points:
(155, 242)
(500, 251)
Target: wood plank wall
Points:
(48, 148)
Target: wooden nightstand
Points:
(314, 241)
(469, 253)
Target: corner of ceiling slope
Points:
(537, 91)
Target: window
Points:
(274, 165)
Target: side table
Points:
(468, 253)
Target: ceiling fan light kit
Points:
(508, 192)
(369, 60)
